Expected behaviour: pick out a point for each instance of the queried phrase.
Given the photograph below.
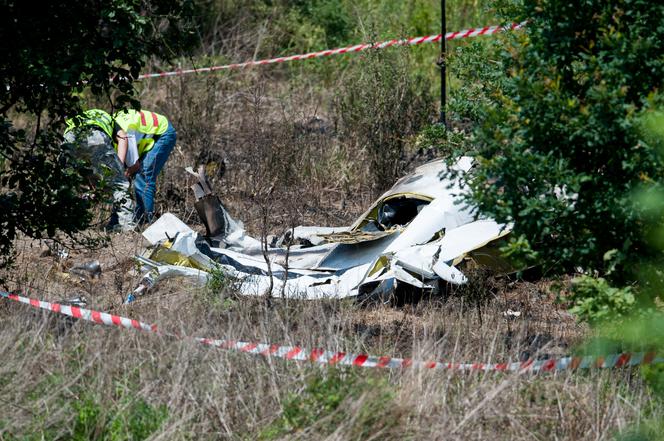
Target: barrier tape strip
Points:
(101, 318)
(321, 356)
(466, 33)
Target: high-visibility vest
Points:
(92, 117)
(144, 124)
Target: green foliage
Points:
(447, 143)
(218, 280)
(476, 78)
(59, 51)
(326, 402)
(134, 419)
(519, 252)
(560, 151)
(217, 289)
(327, 15)
(646, 431)
(643, 328)
(39, 181)
(432, 136)
(594, 300)
(94, 418)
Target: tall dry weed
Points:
(63, 379)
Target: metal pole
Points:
(442, 62)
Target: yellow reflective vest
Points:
(143, 124)
(92, 117)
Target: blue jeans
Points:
(145, 181)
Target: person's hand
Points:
(131, 171)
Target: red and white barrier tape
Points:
(101, 318)
(297, 353)
(369, 361)
(466, 33)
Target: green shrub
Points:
(94, 418)
(218, 291)
(594, 300)
(446, 143)
(475, 79)
(132, 419)
(218, 280)
(332, 17)
(560, 151)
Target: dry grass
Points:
(275, 148)
(61, 379)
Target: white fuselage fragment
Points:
(418, 253)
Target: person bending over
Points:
(154, 138)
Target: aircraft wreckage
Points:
(417, 235)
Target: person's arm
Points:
(123, 148)
(121, 138)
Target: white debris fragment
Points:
(167, 226)
(415, 234)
